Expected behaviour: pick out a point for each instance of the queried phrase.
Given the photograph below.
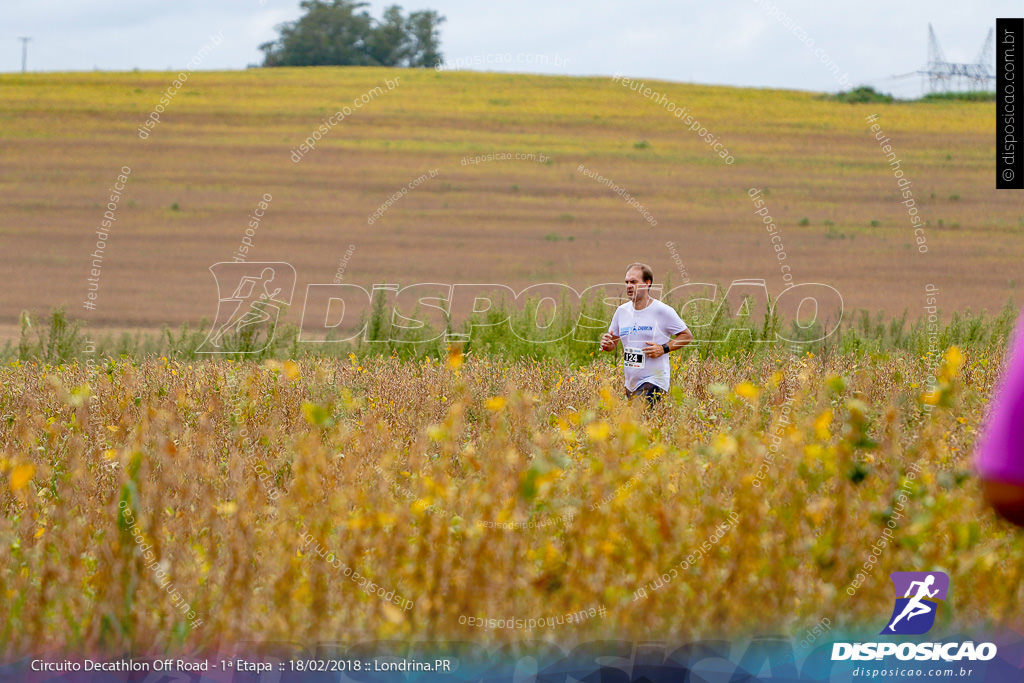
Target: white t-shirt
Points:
(657, 323)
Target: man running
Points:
(649, 330)
(915, 606)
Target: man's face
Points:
(636, 288)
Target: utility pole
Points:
(24, 54)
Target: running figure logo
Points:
(917, 601)
(257, 292)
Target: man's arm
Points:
(681, 339)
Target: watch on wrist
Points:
(665, 347)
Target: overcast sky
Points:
(729, 42)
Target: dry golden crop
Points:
(154, 505)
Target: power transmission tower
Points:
(943, 75)
(24, 53)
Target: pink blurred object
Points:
(1000, 454)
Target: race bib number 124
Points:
(633, 358)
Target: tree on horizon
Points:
(342, 33)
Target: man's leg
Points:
(652, 393)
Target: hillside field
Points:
(225, 140)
